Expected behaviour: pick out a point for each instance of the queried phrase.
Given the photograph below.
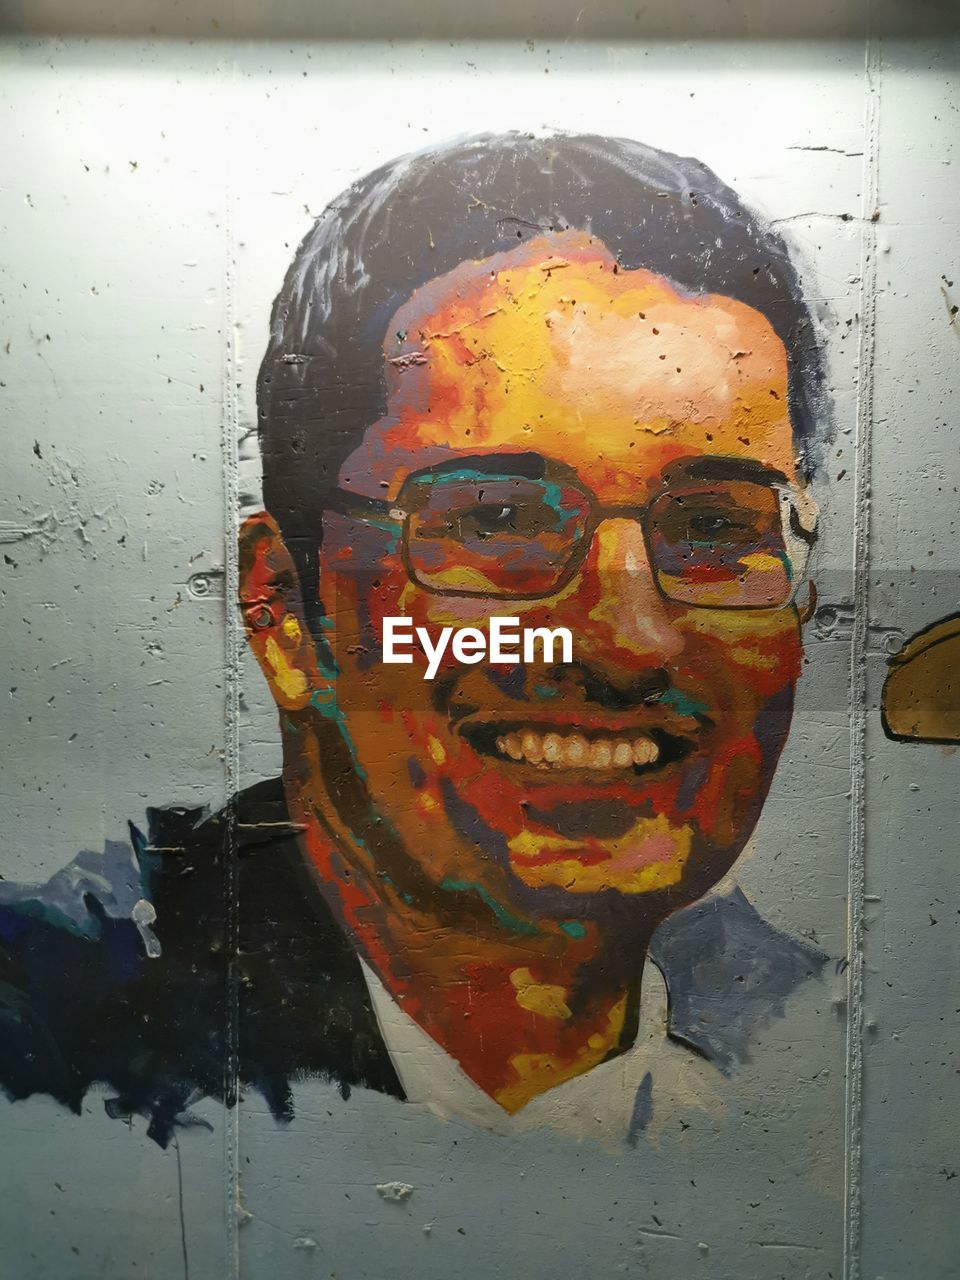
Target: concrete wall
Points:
(155, 186)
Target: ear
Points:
(274, 617)
(810, 608)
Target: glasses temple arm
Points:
(361, 507)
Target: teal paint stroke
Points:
(503, 916)
(573, 928)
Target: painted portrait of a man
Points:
(567, 380)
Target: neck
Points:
(521, 1003)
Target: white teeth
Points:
(574, 751)
(645, 751)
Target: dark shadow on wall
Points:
(612, 20)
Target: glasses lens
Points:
(470, 533)
(722, 546)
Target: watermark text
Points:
(504, 642)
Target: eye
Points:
(488, 518)
(715, 524)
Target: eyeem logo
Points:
(505, 642)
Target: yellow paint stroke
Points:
(735, 625)
(291, 627)
(539, 997)
(744, 657)
(291, 682)
(538, 1072)
(762, 562)
(462, 577)
(408, 594)
(437, 753)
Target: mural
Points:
(572, 382)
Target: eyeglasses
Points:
(519, 527)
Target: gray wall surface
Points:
(156, 181)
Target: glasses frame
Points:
(382, 511)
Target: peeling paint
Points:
(395, 1192)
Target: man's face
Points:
(642, 766)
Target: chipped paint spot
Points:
(395, 1192)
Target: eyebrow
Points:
(532, 466)
(529, 466)
(719, 467)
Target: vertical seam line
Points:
(853, 1127)
(232, 652)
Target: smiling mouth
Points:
(573, 748)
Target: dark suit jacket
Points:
(128, 969)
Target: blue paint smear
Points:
(511, 681)
(720, 954)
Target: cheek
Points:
(387, 707)
(751, 667)
(746, 659)
(362, 581)
(366, 600)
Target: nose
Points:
(623, 620)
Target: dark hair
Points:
(322, 382)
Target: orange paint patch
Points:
(615, 364)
